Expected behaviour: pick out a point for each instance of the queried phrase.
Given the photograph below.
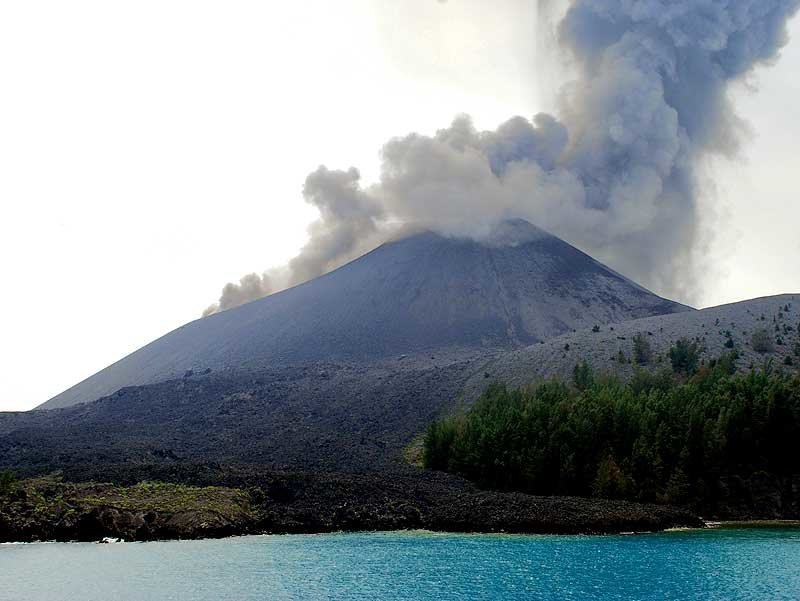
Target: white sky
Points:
(152, 151)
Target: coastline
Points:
(51, 509)
(755, 523)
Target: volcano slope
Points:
(609, 349)
(337, 375)
(421, 293)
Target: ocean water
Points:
(724, 564)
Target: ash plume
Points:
(615, 174)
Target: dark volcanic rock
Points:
(332, 416)
(283, 502)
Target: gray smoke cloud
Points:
(348, 226)
(616, 175)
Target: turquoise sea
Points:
(723, 564)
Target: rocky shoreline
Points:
(54, 508)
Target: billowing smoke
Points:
(616, 175)
(250, 287)
(349, 225)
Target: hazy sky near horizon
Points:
(152, 151)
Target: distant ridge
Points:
(717, 330)
(426, 291)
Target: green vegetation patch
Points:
(673, 437)
(167, 497)
(38, 496)
(50, 496)
(7, 481)
(413, 451)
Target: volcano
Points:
(335, 375)
(418, 294)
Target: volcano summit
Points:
(425, 292)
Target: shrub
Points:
(7, 479)
(762, 341)
(726, 362)
(642, 352)
(728, 339)
(644, 381)
(596, 329)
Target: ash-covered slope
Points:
(420, 293)
(716, 330)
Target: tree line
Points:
(670, 436)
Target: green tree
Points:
(7, 479)
(684, 356)
(438, 441)
(582, 375)
(678, 488)
(609, 481)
